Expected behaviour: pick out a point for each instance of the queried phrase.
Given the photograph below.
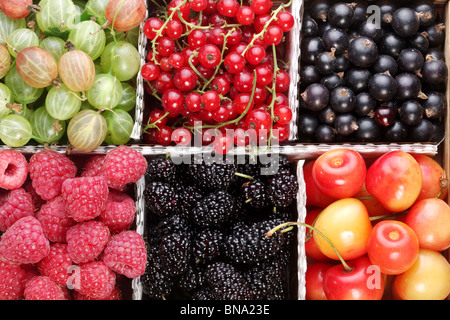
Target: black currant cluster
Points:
(372, 78)
(206, 226)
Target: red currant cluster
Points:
(213, 67)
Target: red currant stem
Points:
(193, 55)
(288, 224)
(266, 25)
(192, 26)
(154, 124)
(153, 90)
(160, 30)
(225, 36)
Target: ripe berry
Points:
(193, 101)
(260, 7)
(223, 143)
(209, 55)
(255, 55)
(273, 35)
(172, 101)
(234, 62)
(165, 46)
(196, 38)
(245, 15)
(151, 26)
(243, 81)
(185, 79)
(198, 5)
(228, 8)
(285, 20)
(182, 136)
(283, 114)
(14, 204)
(210, 100)
(176, 60)
(174, 29)
(150, 71)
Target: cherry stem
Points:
(288, 224)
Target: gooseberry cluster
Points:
(213, 67)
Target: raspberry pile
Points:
(207, 241)
(217, 65)
(66, 225)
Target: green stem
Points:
(288, 224)
(154, 124)
(243, 175)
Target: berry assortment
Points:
(205, 229)
(215, 73)
(68, 71)
(66, 225)
(366, 83)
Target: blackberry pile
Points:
(206, 227)
(366, 82)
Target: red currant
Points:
(196, 38)
(155, 117)
(193, 101)
(285, 20)
(241, 137)
(223, 143)
(172, 101)
(211, 7)
(260, 94)
(182, 136)
(228, 8)
(273, 35)
(258, 119)
(206, 116)
(217, 36)
(210, 100)
(174, 29)
(198, 5)
(281, 132)
(261, 6)
(220, 114)
(264, 75)
(164, 135)
(255, 54)
(151, 27)
(260, 21)
(234, 63)
(185, 79)
(163, 82)
(176, 60)
(241, 102)
(150, 71)
(184, 10)
(188, 54)
(164, 64)
(283, 114)
(245, 15)
(243, 81)
(221, 85)
(166, 46)
(209, 55)
(282, 81)
(234, 37)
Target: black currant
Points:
(345, 124)
(309, 74)
(316, 97)
(362, 52)
(427, 12)
(434, 71)
(409, 86)
(422, 132)
(370, 30)
(342, 63)
(419, 41)
(367, 131)
(382, 86)
(360, 13)
(327, 115)
(307, 123)
(365, 104)
(405, 22)
(435, 34)
(325, 134)
(319, 9)
(385, 63)
(357, 79)
(309, 28)
(310, 48)
(332, 81)
(391, 44)
(335, 38)
(410, 60)
(342, 99)
(410, 112)
(341, 14)
(435, 105)
(397, 132)
(387, 9)
(326, 62)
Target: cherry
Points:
(185, 79)
(150, 71)
(228, 8)
(245, 15)
(209, 55)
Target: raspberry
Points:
(94, 166)
(37, 199)
(55, 220)
(86, 240)
(12, 280)
(126, 254)
(56, 264)
(119, 211)
(85, 197)
(24, 242)
(123, 165)
(116, 294)
(43, 288)
(96, 280)
(14, 204)
(13, 169)
(48, 170)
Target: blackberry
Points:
(214, 175)
(265, 277)
(188, 197)
(270, 166)
(207, 246)
(214, 210)
(175, 252)
(162, 169)
(156, 284)
(247, 242)
(253, 194)
(282, 188)
(192, 279)
(160, 198)
(174, 223)
(227, 283)
(203, 294)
